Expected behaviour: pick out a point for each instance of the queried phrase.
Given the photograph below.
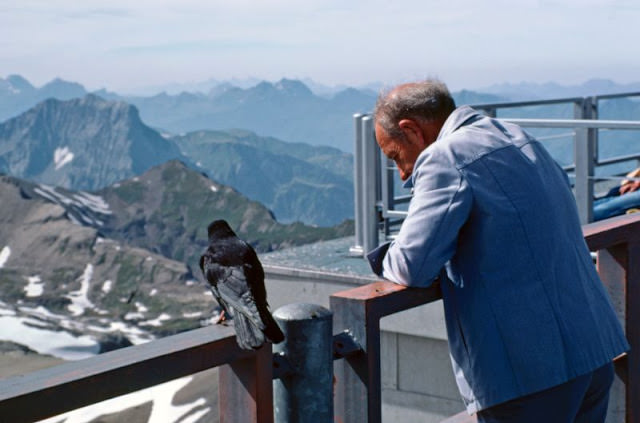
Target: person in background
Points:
(619, 200)
(532, 333)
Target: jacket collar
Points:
(456, 119)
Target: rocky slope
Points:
(88, 284)
(147, 229)
(167, 209)
(296, 181)
(85, 143)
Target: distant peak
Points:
(60, 81)
(293, 86)
(18, 84)
(93, 98)
(61, 89)
(18, 80)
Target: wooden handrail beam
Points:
(35, 396)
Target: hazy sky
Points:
(127, 44)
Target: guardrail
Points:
(246, 377)
(358, 310)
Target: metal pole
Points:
(357, 185)
(305, 396)
(387, 191)
(584, 153)
(370, 190)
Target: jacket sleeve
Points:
(441, 204)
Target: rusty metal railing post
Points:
(246, 389)
(305, 394)
(358, 392)
(618, 248)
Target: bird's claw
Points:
(220, 319)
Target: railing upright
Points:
(585, 144)
(358, 393)
(305, 394)
(617, 242)
(245, 389)
(358, 182)
(371, 185)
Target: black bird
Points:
(237, 281)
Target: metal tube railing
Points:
(370, 175)
(358, 181)
(585, 157)
(245, 381)
(585, 128)
(575, 123)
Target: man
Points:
(532, 333)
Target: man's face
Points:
(403, 152)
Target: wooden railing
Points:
(358, 310)
(245, 378)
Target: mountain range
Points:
(287, 109)
(90, 143)
(536, 91)
(97, 254)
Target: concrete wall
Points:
(417, 380)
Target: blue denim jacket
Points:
(493, 215)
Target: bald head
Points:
(424, 101)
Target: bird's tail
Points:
(271, 328)
(248, 335)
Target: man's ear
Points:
(412, 132)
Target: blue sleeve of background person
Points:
(440, 205)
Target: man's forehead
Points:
(389, 146)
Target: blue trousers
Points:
(580, 400)
(615, 205)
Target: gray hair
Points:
(427, 100)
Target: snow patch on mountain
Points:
(80, 299)
(82, 208)
(33, 332)
(62, 156)
(93, 202)
(4, 255)
(35, 286)
(158, 321)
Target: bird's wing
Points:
(213, 272)
(254, 273)
(237, 293)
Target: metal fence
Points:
(378, 208)
(306, 383)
